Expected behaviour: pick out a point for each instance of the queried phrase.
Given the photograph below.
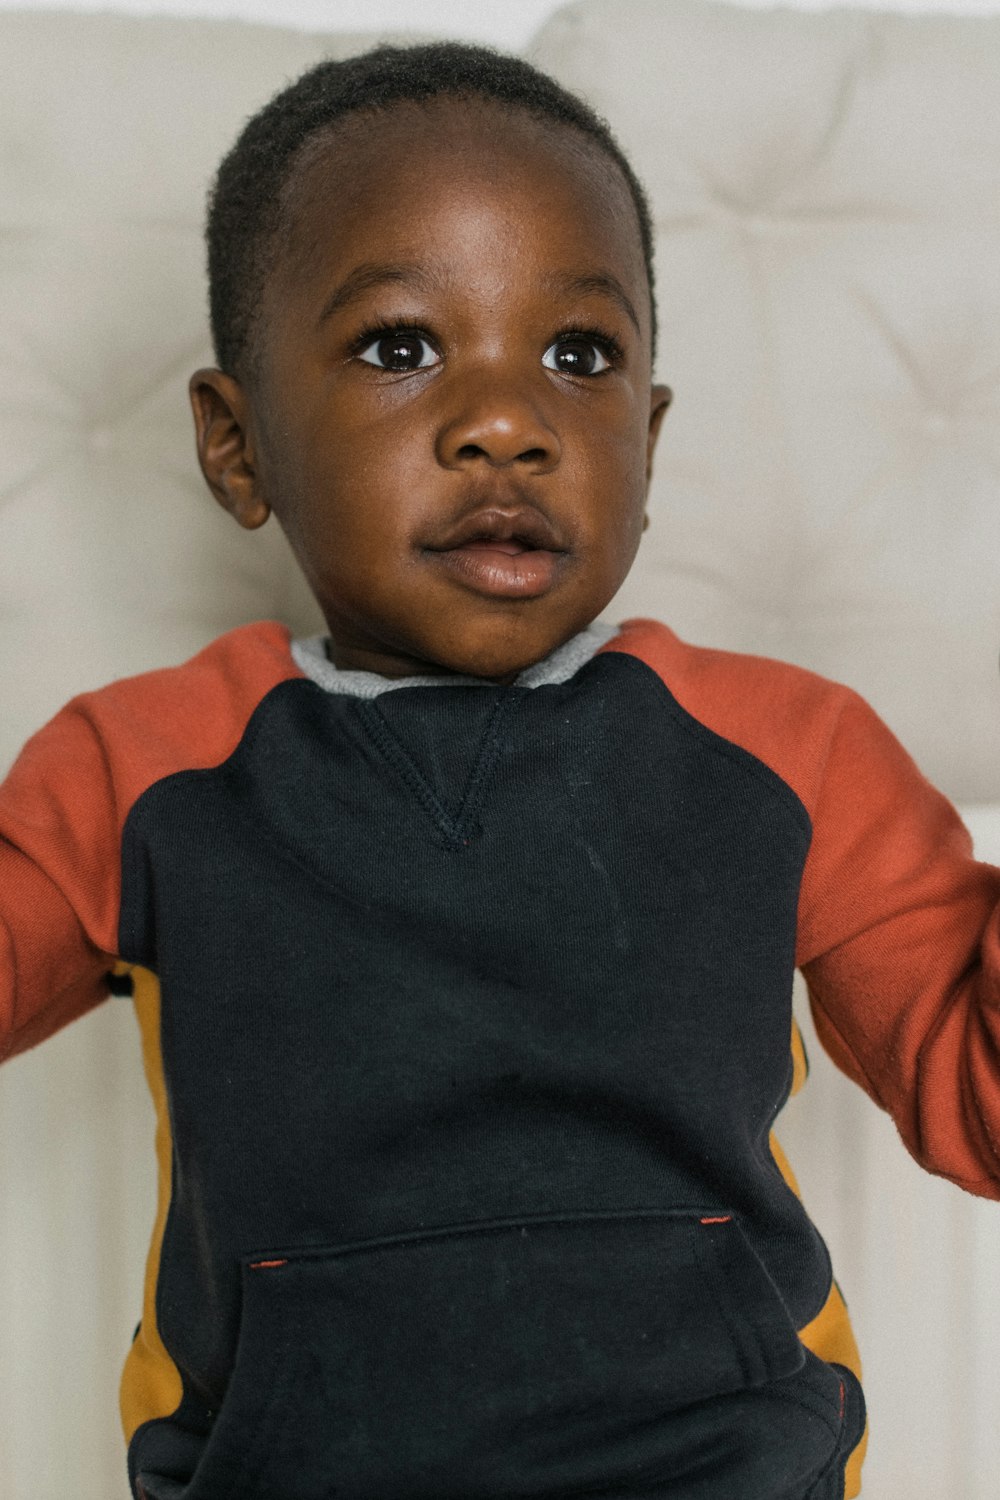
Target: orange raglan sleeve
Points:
(898, 925)
(64, 805)
(899, 942)
(59, 881)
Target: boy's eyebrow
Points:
(372, 274)
(595, 281)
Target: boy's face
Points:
(453, 416)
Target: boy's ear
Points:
(659, 400)
(225, 445)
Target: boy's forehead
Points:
(378, 163)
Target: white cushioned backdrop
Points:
(827, 198)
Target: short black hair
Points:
(245, 202)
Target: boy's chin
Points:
(500, 661)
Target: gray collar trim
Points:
(310, 656)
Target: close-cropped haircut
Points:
(247, 199)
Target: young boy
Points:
(463, 938)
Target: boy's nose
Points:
(498, 428)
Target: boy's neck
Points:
(312, 658)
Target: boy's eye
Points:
(576, 356)
(399, 351)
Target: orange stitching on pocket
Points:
(722, 1219)
(262, 1265)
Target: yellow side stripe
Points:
(151, 1384)
(800, 1062)
(829, 1335)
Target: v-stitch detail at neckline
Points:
(456, 828)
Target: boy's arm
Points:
(59, 881)
(899, 941)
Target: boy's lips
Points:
(491, 567)
(513, 554)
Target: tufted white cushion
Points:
(827, 199)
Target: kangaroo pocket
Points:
(540, 1356)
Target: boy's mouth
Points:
(513, 555)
